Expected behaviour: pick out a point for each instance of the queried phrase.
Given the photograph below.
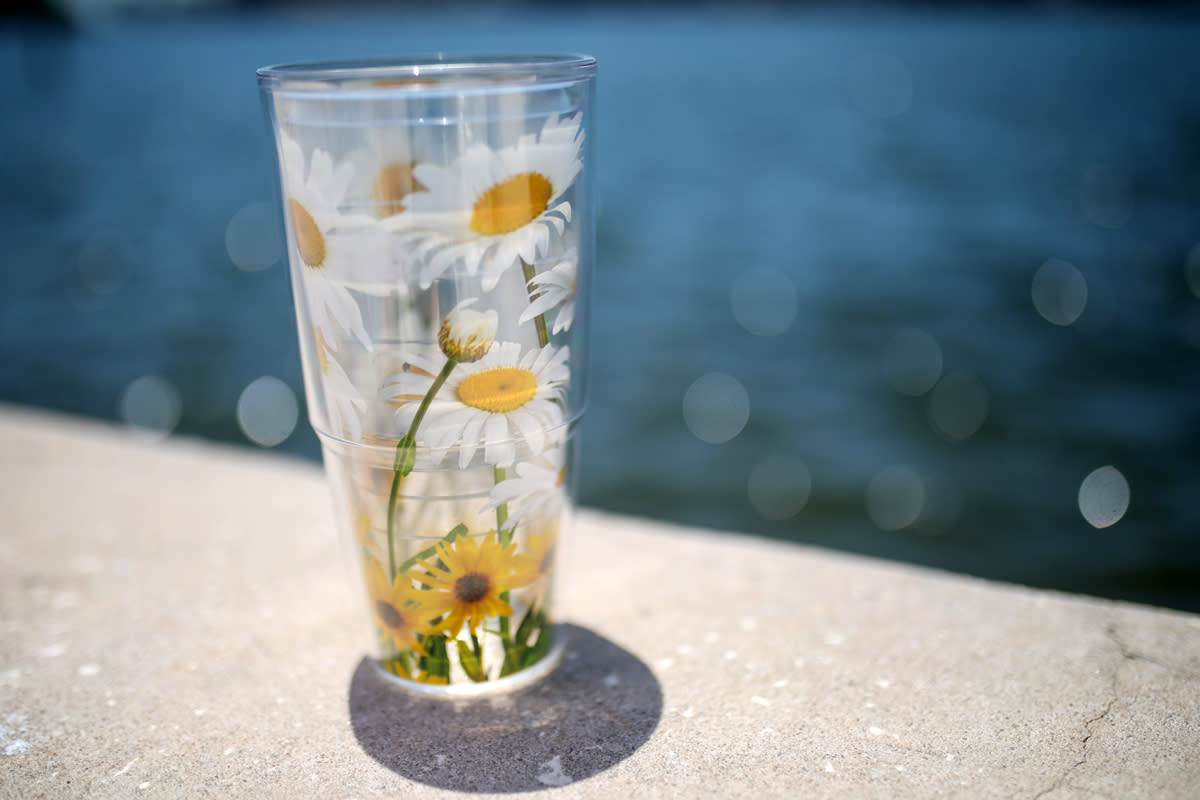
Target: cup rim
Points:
(424, 73)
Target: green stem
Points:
(406, 458)
(539, 321)
(478, 652)
(503, 537)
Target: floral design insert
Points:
(447, 430)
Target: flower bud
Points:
(466, 334)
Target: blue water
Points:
(885, 170)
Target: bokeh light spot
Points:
(764, 301)
(267, 411)
(151, 405)
(958, 406)
(716, 407)
(912, 361)
(1060, 292)
(895, 497)
(253, 237)
(1104, 497)
(779, 487)
(880, 85)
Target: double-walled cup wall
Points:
(440, 243)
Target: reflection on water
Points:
(921, 286)
(1104, 497)
(716, 407)
(1059, 292)
(151, 405)
(764, 301)
(267, 411)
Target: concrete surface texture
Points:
(178, 619)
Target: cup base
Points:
(503, 685)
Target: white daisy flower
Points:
(492, 207)
(343, 402)
(383, 176)
(315, 190)
(537, 491)
(383, 165)
(391, 186)
(504, 399)
(555, 288)
(466, 334)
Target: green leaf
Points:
(525, 628)
(436, 662)
(470, 662)
(406, 456)
(429, 552)
(538, 651)
(397, 665)
(512, 658)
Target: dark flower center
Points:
(472, 587)
(388, 613)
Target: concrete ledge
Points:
(178, 620)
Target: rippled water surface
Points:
(923, 286)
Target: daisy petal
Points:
(530, 428)
(499, 449)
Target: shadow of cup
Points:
(595, 709)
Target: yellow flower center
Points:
(389, 615)
(472, 587)
(511, 204)
(498, 390)
(394, 183)
(309, 238)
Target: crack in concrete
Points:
(1128, 655)
(1128, 652)
(1087, 737)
